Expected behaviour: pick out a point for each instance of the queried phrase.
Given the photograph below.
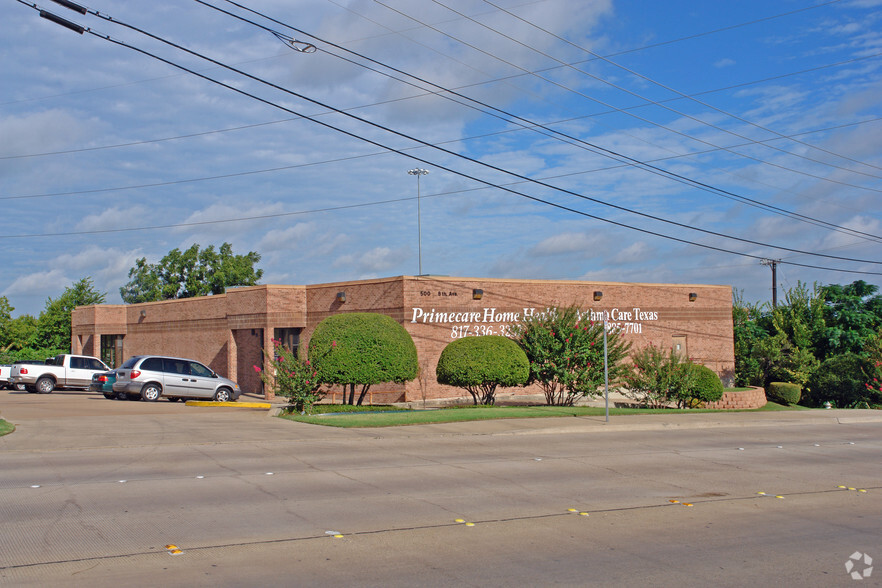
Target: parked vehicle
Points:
(73, 372)
(103, 382)
(5, 371)
(152, 376)
(7, 375)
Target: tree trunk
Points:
(364, 390)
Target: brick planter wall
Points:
(753, 398)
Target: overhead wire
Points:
(531, 125)
(427, 162)
(629, 113)
(684, 96)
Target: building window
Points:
(290, 338)
(112, 349)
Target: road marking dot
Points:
(470, 524)
(123, 481)
(269, 473)
(35, 486)
(779, 496)
(761, 493)
(674, 501)
(843, 487)
(459, 520)
(583, 514)
(851, 488)
(572, 510)
(817, 444)
(861, 490)
(740, 449)
(338, 536)
(687, 504)
(199, 477)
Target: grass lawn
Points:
(365, 416)
(6, 427)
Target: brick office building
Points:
(229, 331)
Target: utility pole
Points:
(773, 263)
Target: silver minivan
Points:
(152, 376)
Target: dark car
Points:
(103, 382)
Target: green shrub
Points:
(362, 348)
(291, 377)
(783, 392)
(706, 386)
(842, 381)
(480, 364)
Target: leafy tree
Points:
(291, 377)
(185, 274)
(5, 321)
(362, 349)
(53, 325)
(566, 353)
(481, 364)
(748, 330)
(843, 380)
(853, 315)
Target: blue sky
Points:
(585, 140)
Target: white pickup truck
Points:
(65, 371)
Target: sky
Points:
(600, 140)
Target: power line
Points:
(627, 112)
(531, 125)
(681, 95)
(445, 168)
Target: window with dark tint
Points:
(130, 362)
(152, 364)
(94, 364)
(197, 369)
(78, 363)
(177, 366)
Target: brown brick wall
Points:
(753, 398)
(228, 331)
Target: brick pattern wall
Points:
(753, 398)
(228, 331)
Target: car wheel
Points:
(151, 392)
(45, 385)
(223, 395)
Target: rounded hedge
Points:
(474, 361)
(840, 380)
(707, 386)
(362, 348)
(784, 392)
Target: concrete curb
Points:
(261, 405)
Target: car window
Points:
(130, 362)
(197, 369)
(94, 364)
(153, 364)
(177, 366)
(78, 363)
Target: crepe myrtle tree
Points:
(565, 351)
(481, 364)
(362, 349)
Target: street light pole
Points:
(419, 172)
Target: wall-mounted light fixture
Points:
(477, 294)
(143, 314)
(692, 296)
(597, 295)
(341, 297)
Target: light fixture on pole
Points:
(418, 171)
